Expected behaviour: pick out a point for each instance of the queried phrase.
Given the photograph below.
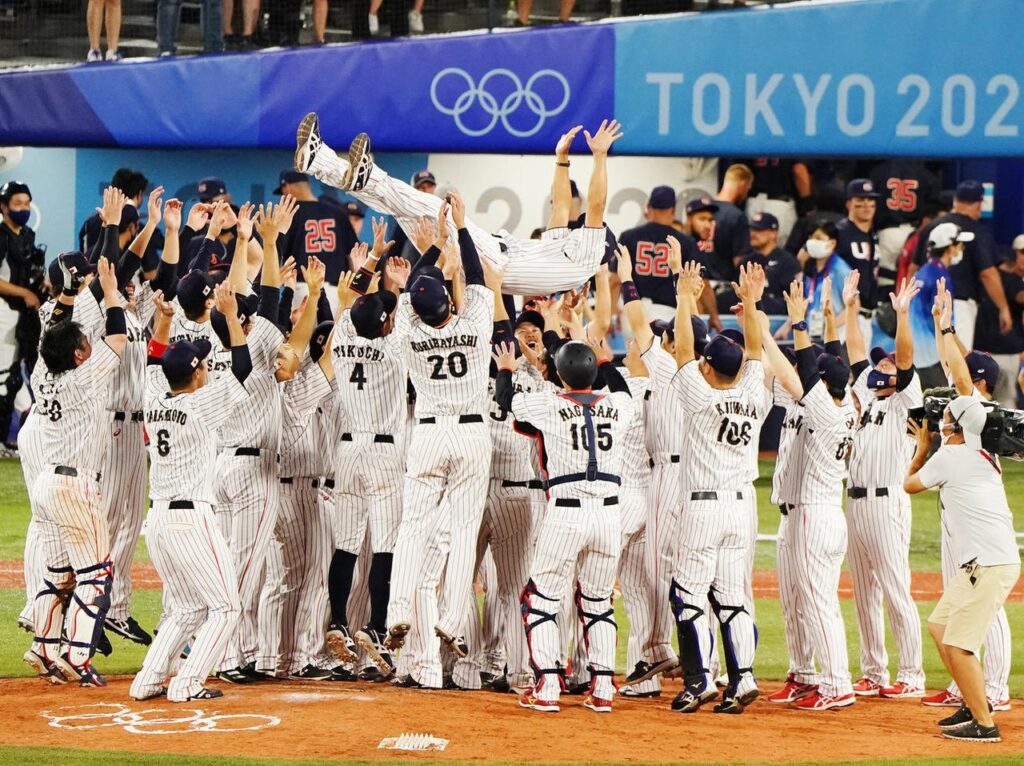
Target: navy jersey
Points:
(907, 184)
(732, 238)
(648, 247)
(322, 230)
(987, 336)
(773, 176)
(859, 250)
(780, 268)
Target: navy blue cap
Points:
(290, 176)
(834, 371)
(528, 316)
(659, 327)
(983, 367)
(970, 191)
(369, 312)
(724, 355)
(861, 188)
(248, 305)
(422, 177)
(211, 187)
(878, 354)
(429, 299)
(181, 359)
(76, 263)
(193, 290)
(318, 343)
(764, 222)
(701, 204)
(355, 208)
(734, 335)
(662, 198)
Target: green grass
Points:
(771, 655)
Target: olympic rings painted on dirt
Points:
(185, 721)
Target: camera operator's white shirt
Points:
(975, 512)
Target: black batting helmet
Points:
(576, 365)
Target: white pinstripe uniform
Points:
(879, 532)
(535, 267)
(72, 526)
(817, 530)
(188, 549)
(301, 528)
(580, 534)
(785, 491)
(714, 526)
(449, 457)
(247, 489)
(183, 328)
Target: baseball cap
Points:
(76, 263)
(983, 367)
(970, 415)
(181, 359)
(1018, 242)
(193, 290)
(247, 307)
(700, 333)
(290, 176)
(429, 299)
(662, 198)
(129, 215)
(734, 335)
(11, 188)
(422, 177)
(765, 222)
(969, 191)
(945, 234)
(211, 187)
(369, 312)
(355, 208)
(318, 343)
(834, 371)
(701, 204)
(724, 355)
(861, 188)
(659, 327)
(528, 316)
(878, 354)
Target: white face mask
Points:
(818, 248)
(957, 257)
(946, 431)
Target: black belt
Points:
(572, 502)
(584, 477)
(66, 470)
(782, 198)
(785, 508)
(671, 459)
(714, 495)
(462, 419)
(326, 483)
(377, 438)
(247, 452)
(292, 480)
(858, 493)
(136, 416)
(531, 484)
(178, 505)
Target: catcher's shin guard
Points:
(543, 653)
(726, 614)
(90, 603)
(691, 658)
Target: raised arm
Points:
(602, 321)
(597, 194)
(689, 276)
(777, 361)
(951, 350)
(313, 272)
(241, 360)
(796, 307)
(162, 317)
(904, 341)
(467, 249)
(238, 272)
(131, 261)
(855, 346)
(116, 330)
(166, 279)
(380, 246)
(750, 289)
(631, 303)
(561, 189)
(505, 358)
(429, 258)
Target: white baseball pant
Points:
(33, 458)
(664, 501)
(634, 577)
(123, 490)
(798, 642)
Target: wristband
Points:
(155, 349)
(562, 164)
(362, 281)
(949, 330)
(116, 323)
(69, 292)
(629, 292)
(800, 326)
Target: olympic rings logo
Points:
(150, 721)
(519, 95)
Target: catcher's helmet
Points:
(576, 365)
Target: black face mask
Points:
(20, 217)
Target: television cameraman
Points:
(980, 526)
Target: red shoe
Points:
(791, 692)
(817, 701)
(865, 687)
(597, 704)
(528, 699)
(900, 691)
(999, 706)
(945, 698)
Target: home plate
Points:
(413, 742)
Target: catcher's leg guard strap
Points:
(590, 619)
(726, 614)
(528, 603)
(687, 613)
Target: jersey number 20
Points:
(455, 363)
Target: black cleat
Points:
(206, 694)
(629, 693)
(86, 675)
(310, 673)
(258, 675)
(103, 645)
(341, 673)
(129, 629)
(408, 682)
(645, 671)
(974, 732)
(235, 676)
(960, 718)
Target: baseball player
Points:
(817, 528)
(878, 513)
(724, 403)
(188, 549)
(562, 260)
(582, 435)
(448, 356)
(72, 526)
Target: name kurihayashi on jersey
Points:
(600, 411)
(369, 353)
(166, 416)
(454, 341)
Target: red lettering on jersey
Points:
(651, 259)
(320, 236)
(903, 194)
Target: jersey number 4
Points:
(358, 376)
(603, 432)
(734, 433)
(455, 363)
(320, 236)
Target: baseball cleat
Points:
(310, 673)
(341, 644)
(360, 163)
(205, 694)
(26, 625)
(865, 687)
(457, 644)
(159, 691)
(235, 676)
(974, 732)
(632, 693)
(259, 675)
(818, 701)
(103, 645)
(597, 704)
(962, 717)
(576, 690)
(999, 706)
(307, 142)
(407, 682)
(645, 671)
(372, 675)
(44, 669)
(900, 691)
(734, 704)
(791, 692)
(528, 699)
(129, 629)
(86, 675)
(376, 649)
(689, 699)
(945, 698)
(341, 673)
(396, 636)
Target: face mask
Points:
(946, 431)
(957, 258)
(878, 380)
(20, 217)
(818, 248)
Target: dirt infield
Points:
(348, 721)
(925, 586)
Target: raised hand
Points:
(113, 204)
(346, 295)
(107, 275)
(675, 254)
(796, 303)
(285, 212)
(172, 215)
(221, 217)
(164, 308)
(826, 298)
(424, 232)
(398, 270)
(287, 272)
(601, 350)
(851, 290)
(565, 143)
(752, 280)
(901, 300)
(601, 142)
(944, 304)
(505, 356)
(199, 215)
(380, 230)
(624, 265)
(358, 255)
(224, 299)
(442, 223)
(689, 278)
(458, 209)
(154, 205)
(245, 217)
(493, 277)
(314, 273)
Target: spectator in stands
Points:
(523, 8)
(822, 262)
(1006, 348)
(213, 189)
(857, 246)
(977, 267)
(366, 18)
(250, 15)
(732, 232)
(415, 19)
(781, 187)
(780, 266)
(97, 14)
(168, 19)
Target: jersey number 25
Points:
(320, 236)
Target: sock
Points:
(380, 590)
(339, 584)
